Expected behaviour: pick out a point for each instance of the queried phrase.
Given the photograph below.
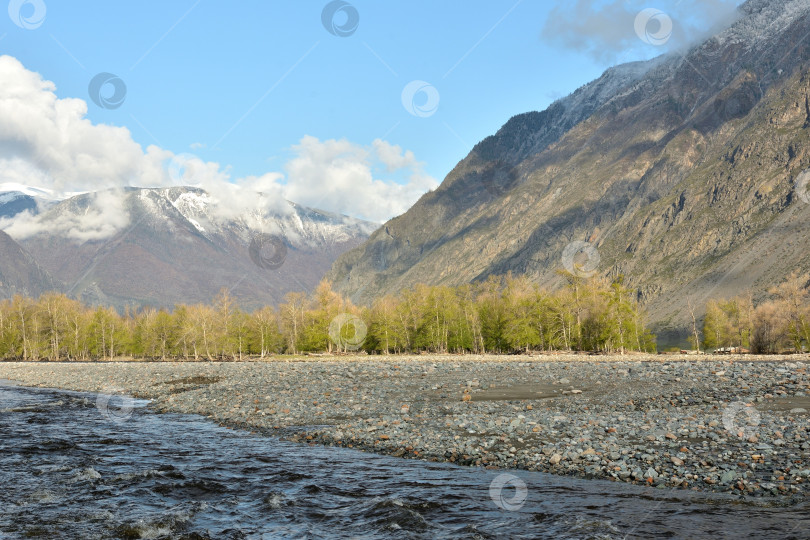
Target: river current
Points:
(76, 465)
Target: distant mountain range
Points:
(683, 173)
(174, 248)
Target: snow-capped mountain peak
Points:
(11, 190)
(163, 246)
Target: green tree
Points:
(386, 333)
(792, 297)
(324, 306)
(107, 333)
(293, 316)
(493, 316)
(522, 328)
(266, 332)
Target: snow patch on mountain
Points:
(180, 209)
(10, 196)
(197, 225)
(302, 226)
(14, 188)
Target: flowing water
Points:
(76, 465)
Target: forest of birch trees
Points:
(501, 315)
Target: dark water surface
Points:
(76, 466)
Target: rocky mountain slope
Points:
(19, 272)
(173, 245)
(684, 174)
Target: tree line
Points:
(778, 324)
(501, 315)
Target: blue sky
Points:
(241, 84)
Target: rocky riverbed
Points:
(734, 424)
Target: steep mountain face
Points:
(174, 246)
(684, 173)
(19, 273)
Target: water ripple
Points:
(69, 472)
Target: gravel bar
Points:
(735, 424)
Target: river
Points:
(70, 469)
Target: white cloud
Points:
(604, 29)
(392, 156)
(337, 175)
(104, 217)
(49, 143)
(58, 145)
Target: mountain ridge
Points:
(648, 177)
(181, 245)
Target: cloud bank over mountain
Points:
(609, 30)
(48, 142)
